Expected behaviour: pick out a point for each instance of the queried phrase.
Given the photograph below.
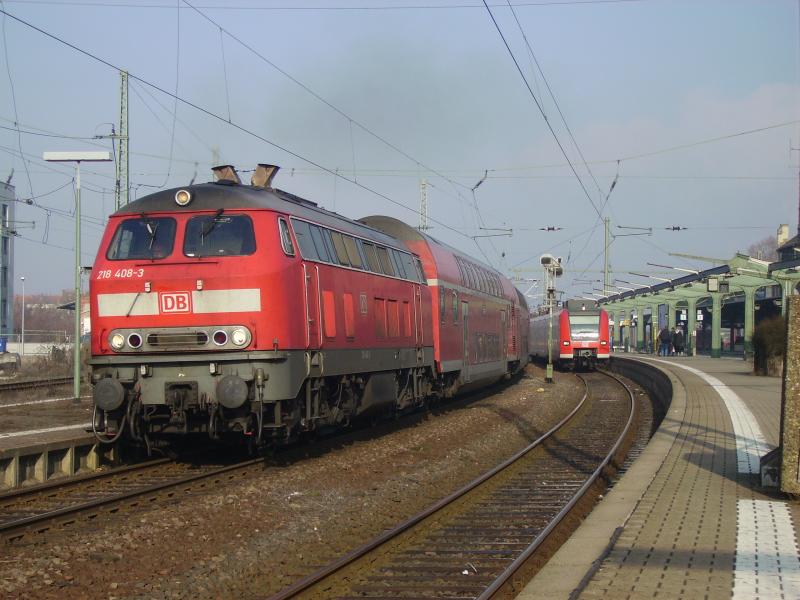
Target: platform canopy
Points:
(740, 275)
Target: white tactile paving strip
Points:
(750, 442)
(767, 561)
(767, 565)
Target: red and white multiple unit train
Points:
(230, 309)
(580, 336)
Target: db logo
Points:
(175, 302)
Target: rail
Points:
(36, 510)
(10, 386)
(475, 542)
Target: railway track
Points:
(32, 384)
(29, 512)
(487, 539)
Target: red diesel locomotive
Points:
(580, 336)
(228, 309)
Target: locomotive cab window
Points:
(142, 238)
(219, 235)
(286, 238)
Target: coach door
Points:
(504, 332)
(465, 321)
(419, 338)
(313, 308)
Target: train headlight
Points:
(117, 341)
(566, 342)
(135, 340)
(220, 337)
(239, 336)
(603, 343)
(183, 197)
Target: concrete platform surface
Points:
(688, 519)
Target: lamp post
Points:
(22, 340)
(77, 158)
(552, 269)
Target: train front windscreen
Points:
(584, 327)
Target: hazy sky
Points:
(434, 79)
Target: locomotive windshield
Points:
(219, 235)
(584, 327)
(145, 237)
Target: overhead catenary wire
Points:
(541, 110)
(14, 100)
(320, 98)
(323, 8)
(220, 118)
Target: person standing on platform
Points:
(678, 341)
(665, 341)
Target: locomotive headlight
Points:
(239, 336)
(117, 341)
(566, 342)
(134, 340)
(183, 197)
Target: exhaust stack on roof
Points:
(226, 173)
(263, 176)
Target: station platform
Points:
(689, 519)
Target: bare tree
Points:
(766, 249)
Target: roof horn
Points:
(263, 175)
(226, 173)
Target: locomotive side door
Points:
(465, 321)
(313, 306)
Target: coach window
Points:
(461, 271)
(442, 303)
(455, 307)
(484, 283)
(341, 251)
(386, 262)
(302, 232)
(143, 238)
(372, 257)
(352, 251)
(398, 264)
(286, 238)
(319, 243)
(472, 276)
(420, 272)
(408, 265)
